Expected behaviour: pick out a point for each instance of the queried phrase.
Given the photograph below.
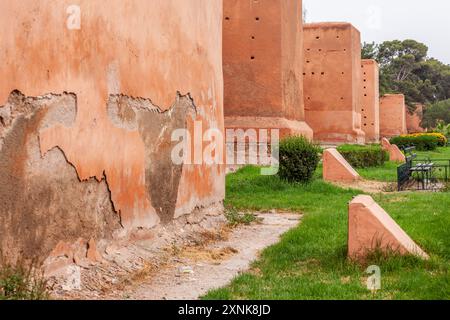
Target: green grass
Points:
(386, 172)
(310, 261)
(439, 153)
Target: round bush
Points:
(299, 159)
(422, 141)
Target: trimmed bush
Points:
(299, 159)
(364, 156)
(422, 141)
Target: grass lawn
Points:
(439, 153)
(388, 172)
(310, 261)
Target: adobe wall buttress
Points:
(263, 63)
(392, 115)
(370, 100)
(414, 120)
(332, 76)
(85, 142)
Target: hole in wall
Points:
(252, 57)
(317, 38)
(257, 19)
(227, 18)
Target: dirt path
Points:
(195, 271)
(369, 186)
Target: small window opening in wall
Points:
(252, 57)
(365, 95)
(253, 37)
(365, 124)
(322, 73)
(317, 37)
(342, 98)
(365, 80)
(320, 50)
(308, 49)
(304, 73)
(257, 18)
(337, 37)
(365, 87)
(362, 110)
(307, 61)
(343, 72)
(309, 98)
(227, 18)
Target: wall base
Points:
(286, 127)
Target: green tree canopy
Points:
(405, 68)
(436, 113)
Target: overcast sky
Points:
(427, 21)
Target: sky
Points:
(380, 20)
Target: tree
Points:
(405, 68)
(436, 113)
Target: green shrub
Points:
(22, 281)
(422, 142)
(235, 218)
(299, 159)
(364, 156)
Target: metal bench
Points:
(409, 173)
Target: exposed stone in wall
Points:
(113, 143)
(392, 115)
(370, 100)
(42, 199)
(263, 65)
(414, 120)
(332, 77)
(155, 128)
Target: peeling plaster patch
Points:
(42, 199)
(162, 177)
